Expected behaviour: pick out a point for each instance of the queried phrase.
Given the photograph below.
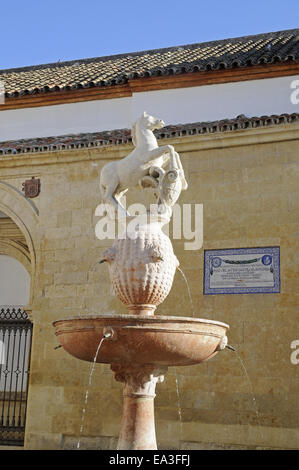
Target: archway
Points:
(18, 220)
(21, 215)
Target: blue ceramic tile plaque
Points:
(242, 271)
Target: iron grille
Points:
(15, 349)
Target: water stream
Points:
(89, 384)
(112, 291)
(189, 291)
(91, 270)
(179, 404)
(251, 391)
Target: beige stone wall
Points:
(247, 182)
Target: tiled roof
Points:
(123, 136)
(267, 48)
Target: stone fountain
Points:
(140, 346)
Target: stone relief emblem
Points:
(31, 187)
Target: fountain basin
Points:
(139, 349)
(136, 339)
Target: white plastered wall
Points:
(176, 106)
(14, 282)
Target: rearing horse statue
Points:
(117, 177)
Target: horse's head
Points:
(150, 122)
(146, 121)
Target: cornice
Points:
(185, 140)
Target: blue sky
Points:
(37, 32)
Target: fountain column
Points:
(138, 421)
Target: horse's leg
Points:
(152, 156)
(117, 196)
(114, 197)
(111, 198)
(111, 195)
(171, 157)
(170, 160)
(120, 194)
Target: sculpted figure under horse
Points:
(117, 177)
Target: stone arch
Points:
(24, 214)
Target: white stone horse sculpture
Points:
(117, 177)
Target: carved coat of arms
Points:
(31, 187)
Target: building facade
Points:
(231, 112)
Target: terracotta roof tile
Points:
(123, 136)
(245, 51)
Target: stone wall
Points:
(247, 182)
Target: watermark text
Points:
(295, 354)
(295, 94)
(185, 224)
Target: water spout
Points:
(98, 262)
(108, 332)
(188, 288)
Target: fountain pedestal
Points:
(138, 420)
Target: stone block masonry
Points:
(247, 182)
